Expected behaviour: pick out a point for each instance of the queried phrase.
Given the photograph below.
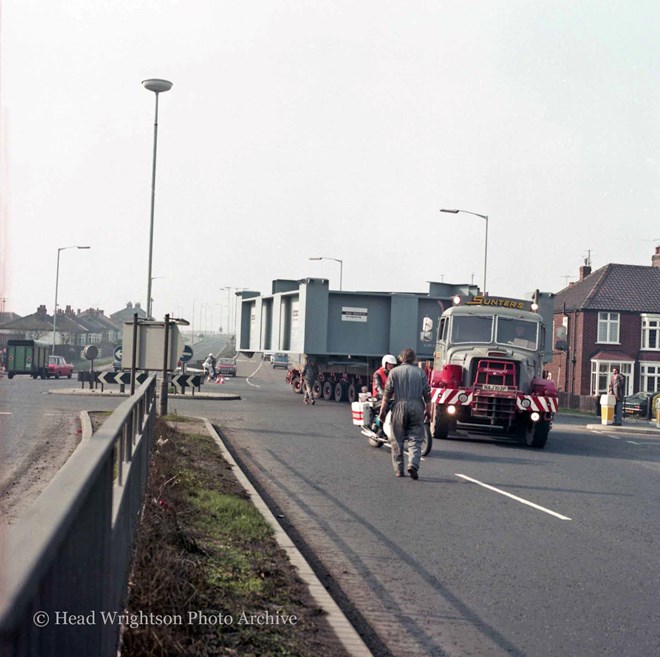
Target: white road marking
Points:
(632, 442)
(247, 378)
(513, 497)
(5, 412)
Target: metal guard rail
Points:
(70, 556)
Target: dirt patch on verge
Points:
(208, 574)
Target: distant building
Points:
(609, 317)
(126, 314)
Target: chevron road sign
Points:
(121, 377)
(183, 381)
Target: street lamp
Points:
(57, 283)
(341, 267)
(484, 217)
(158, 87)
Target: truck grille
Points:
(499, 410)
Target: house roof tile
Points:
(619, 288)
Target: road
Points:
(557, 557)
(39, 431)
(446, 566)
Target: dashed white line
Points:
(5, 412)
(514, 497)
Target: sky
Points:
(322, 129)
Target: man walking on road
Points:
(309, 375)
(410, 389)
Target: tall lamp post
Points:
(158, 87)
(57, 283)
(485, 218)
(341, 267)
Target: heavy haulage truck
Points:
(483, 355)
(487, 371)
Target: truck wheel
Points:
(352, 393)
(327, 391)
(34, 376)
(539, 437)
(57, 376)
(316, 389)
(340, 392)
(427, 443)
(296, 384)
(68, 376)
(442, 425)
(10, 375)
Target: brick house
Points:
(609, 317)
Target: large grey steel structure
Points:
(306, 317)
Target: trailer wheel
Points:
(10, 375)
(340, 392)
(327, 391)
(539, 437)
(316, 389)
(352, 392)
(296, 385)
(34, 376)
(427, 443)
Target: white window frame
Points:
(601, 373)
(650, 325)
(611, 322)
(649, 376)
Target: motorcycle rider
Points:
(379, 379)
(209, 366)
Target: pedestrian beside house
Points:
(618, 389)
(408, 386)
(310, 374)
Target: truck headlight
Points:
(525, 403)
(535, 417)
(451, 409)
(462, 398)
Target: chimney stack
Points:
(655, 260)
(585, 270)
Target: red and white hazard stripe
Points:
(451, 396)
(538, 404)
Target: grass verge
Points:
(208, 577)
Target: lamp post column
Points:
(157, 86)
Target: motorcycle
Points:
(365, 416)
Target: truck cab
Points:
(488, 369)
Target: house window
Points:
(651, 332)
(81, 339)
(95, 338)
(608, 328)
(601, 373)
(649, 380)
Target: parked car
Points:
(57, 367)
(637, 404)
(226, 366)
(280, 360)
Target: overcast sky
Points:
(339, 129)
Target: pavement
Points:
(651, 428)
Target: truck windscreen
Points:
(471, 328)
(517, 333)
